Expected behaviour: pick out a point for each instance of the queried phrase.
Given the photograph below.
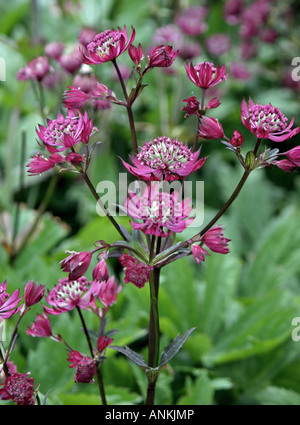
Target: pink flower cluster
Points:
(62, 135)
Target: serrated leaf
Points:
(172, 349)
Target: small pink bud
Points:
(237, 139)
(136, 53)
(100, 271)
(103, 342)
(33, 293)
(76, 264)
(162, 57)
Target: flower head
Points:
(164, 158)
(33, 293)
(210, 128)
(192, 107)
(108, 291)
(192, 20)
(136, 53)
(160, 213)
(8, 303)
(41, 327)
(198, 253)
(68, 294)
(76, 264)
(135, 271)
(267, 122)
(64, 132)
(162, 57)
(85, 367)
(19, 388)
(108, 45)
(103, 342)
(237, 139)
(100, 271)
(36, 70)
(205, 74)
(214, 239)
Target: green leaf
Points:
(260, 328)
(172, 349)
(200, 392)
(221, 276)
(276, 396)
(132, 355)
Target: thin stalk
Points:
(98, 370)
(154, 337)
(233, 196)
(21, 186)
(227, 203)
(100, 203)
(128, 107)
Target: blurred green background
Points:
(241, 304)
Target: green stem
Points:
(233, 196)
(128, 107)
(154, 337)
(97, 197)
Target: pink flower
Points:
(214, 239)
(239, 71)
(12, 368)
(64, 132)
(294, 155)
(233, 11)
(164, 158)
(103, 342)
(108, 291)
(33, 293)
(286, 165)
(35, 70)
(107, 46)
(100, 271)
(71, 62)
(205, 74)
(8, 304)
(41, 327)
(192, 107)
(162, 57)
(54, 50)
(39, 164)
(68, 294)
(136, 53)
(191, 20)
(19, 388)
(135, 271)
(76, 264)
(237, 139)
(198, 253)
(267, 122)
(210, 128)
(160, 213)
(85, 367)
(218, 44)
(78, 97)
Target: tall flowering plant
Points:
(156, 213)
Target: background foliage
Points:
(241, 304)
